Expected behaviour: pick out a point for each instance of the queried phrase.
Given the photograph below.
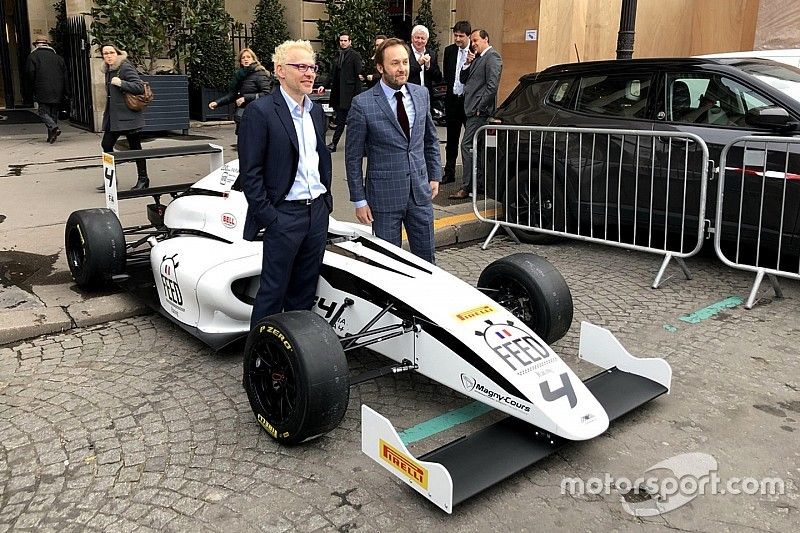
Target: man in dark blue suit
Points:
(286, 176)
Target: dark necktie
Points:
(402, 117)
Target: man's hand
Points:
(364, 214)
(116, 80)
(470, 57)
(434, 189)
(240, 101)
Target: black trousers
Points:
(110, 138)
(341, 120)
(456, 120)
(293, 248)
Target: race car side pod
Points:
(457, 471)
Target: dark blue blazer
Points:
(268, 158)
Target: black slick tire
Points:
(296, 376)
(533, 290)
(95, 247)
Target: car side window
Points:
(559, 96)
(614, 95)
(706, 98)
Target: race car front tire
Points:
(533, 290)
(95, 247)
(295, 376)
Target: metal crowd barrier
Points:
(758, 217)
(639, 190)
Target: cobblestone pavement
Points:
(134, 425)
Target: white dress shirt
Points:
(458, 87)
(307, 183)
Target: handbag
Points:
(137, 102)
(237, 116)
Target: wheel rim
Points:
(273, 381)
(513, 296)
(76, 255)
(521, 205)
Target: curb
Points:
(21, 324)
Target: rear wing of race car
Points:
(110, 161)
(461, 469)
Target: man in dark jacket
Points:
(47, 74)
(423, 64)
(344, 84)
(455, 56)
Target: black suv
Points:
(715, 99)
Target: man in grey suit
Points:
(391, 124)
(481, 78)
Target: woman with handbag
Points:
(121, 77)
(250, 81)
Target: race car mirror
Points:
(110, 182)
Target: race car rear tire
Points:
(95, 247)
(533, 290)
(295, 375)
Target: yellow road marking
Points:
(457, 219)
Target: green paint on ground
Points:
(711, 310)
(670, 328)
(443, 422)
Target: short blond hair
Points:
(283, 49)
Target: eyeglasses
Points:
(303, 68)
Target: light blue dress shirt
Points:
(307, 183)
(458, 87)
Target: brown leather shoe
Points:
(460, 194)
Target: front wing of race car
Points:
(461, 469)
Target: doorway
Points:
(14, 50)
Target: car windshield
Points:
(785, 78)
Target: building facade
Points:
(530, 34)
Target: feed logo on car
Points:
(403, 464)
(522, 352)
(475, 312)
(169, 280)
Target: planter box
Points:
(198, 105)
(170, 108)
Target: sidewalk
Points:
(41, 184)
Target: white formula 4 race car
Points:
(489, 343)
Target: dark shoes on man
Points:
(53, 134)
(448, 176)
(461, 194)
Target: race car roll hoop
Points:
(490, 343)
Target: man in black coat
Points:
(47, 74)
(455, 56)
(285, 171)
(423, 64)
(344, 84)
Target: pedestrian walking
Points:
(118, 120)
(345, 84)
(286, 177)
(47, 75)
(250, 81)
(392, 124)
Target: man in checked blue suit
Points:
(285, 170)
(391, 124)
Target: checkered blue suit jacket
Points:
(396, 167)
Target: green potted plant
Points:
(269, 30)
(209, 55)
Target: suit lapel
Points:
(286, 119)
(380, 99)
